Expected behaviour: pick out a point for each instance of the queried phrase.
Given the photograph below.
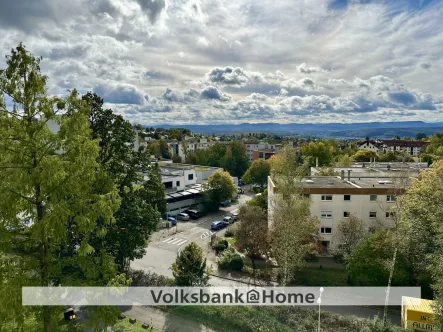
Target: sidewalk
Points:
(164, 321)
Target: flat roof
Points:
(356, 182)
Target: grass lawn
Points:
(321, 277)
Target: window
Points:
(372, 214)
(326, 197)
(391, 198)
(326, 214)
(373, 198)
(190, 176)
(390, 214)
(346, 214)
(306, 195)
(347, 197)
(177, 184)
(326, 230)
(168, 185)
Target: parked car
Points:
(228, 220)
(194, 214)
(216, 225)
(183, 216)
(226, 203)
(234, 215)
(172, 220)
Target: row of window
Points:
(346, 214)
(372, 198)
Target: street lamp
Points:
(319, 304)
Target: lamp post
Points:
(319, 304)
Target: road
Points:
(166, 244)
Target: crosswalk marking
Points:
(206, 234)
(175, 241)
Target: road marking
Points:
(175, 241)
(206, 234)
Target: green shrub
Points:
(312, 258)
(339, 258)
(321, 277)
(229, 260)
(220, 245)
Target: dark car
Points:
(241, 182)
(172, 220)
(194, 214)
(216, 225)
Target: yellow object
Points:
(417, 314)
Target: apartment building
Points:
(263, 154)
(412, 148)
(250, 148)
(370, 196)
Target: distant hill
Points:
(338, 130)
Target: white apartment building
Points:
(412, 148)
(368, 197)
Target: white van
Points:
(183, 216)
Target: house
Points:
(412, 148)
(370, 145)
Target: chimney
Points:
(349, 175)
(316, 161)
(342, 175)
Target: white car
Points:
(234, 216)
(228, 220)
(183, 216)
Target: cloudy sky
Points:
(234, 61)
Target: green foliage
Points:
(229, 260)
(369, 262)
(278, 318)
(220, 187)
(325, 277)
(220, 246)
(141, 204)
(49, 178)
(420, 136)
(252, 234)
(327, 171)
(394, 156)
(321, 150)
(149, 279)
(363, 155)
(350, 231)
(189, 268)
(260, 200)
(258, 173)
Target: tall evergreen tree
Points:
(47, 181)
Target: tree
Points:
(189, 268)
(350, 231)
(260, 200)
(420, 136)
(344, 161)
(176, 158)
(164, 149)
(327, 171)
(214, 154)
(370, 260)
(258, 173)
(252, 233)
(319, 150)
(220, 187)
(422, 211)
(47, 182)
(292, 228)
(364, 155)
(240, 158)
(138, 182)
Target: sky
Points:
(224, 61)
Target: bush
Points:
(230, 232)
(220, 245)
(142, 278)
(229, 260)
(321, 277)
